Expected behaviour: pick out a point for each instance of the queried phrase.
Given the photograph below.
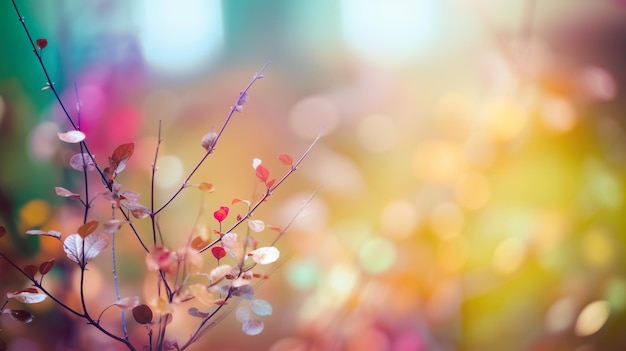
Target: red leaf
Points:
(42, 43)
(270, 182)
(142, 314)
(123, 152)
(21, 315)
(45, 267)
(87, 228)
(286, 159)
(221, 214)
(3, 231)
(30, 270)
(28, 290)
(262, 173)
(218, 252)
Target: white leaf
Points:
(265, 255)
(242, 314)
(233, 246)
(72, 136)
(208, 141)
(218, 273)
(61, 191)
(126, 303)
(256, 162)
(93, 245)
(52, 233)
(27, 297)
(261, 307)
(252, 326)
(256, 225)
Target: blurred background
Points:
(472, 162)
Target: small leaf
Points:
(204, 295)
(218, 273)
(208, 187)
(112, 226)
(65, 193)
(41, 43)
(261, 307)
(142, 314)
(3, 231)
(52, 233)
(256, 162)
(265, 255)
(256, 225)
(82, 161)
(27, 296)
(20, 315)
(236, 201)
(252, 326)
(93, 245)
(270, 183)
(123, 152)
(137, 210)
(218, 252)
(221, 214)
(45, 267)
(246, 292)
(87, 228)
(72, 136)
(286, 159)
(233, 246)
(262, 173)
(208, 141)
(46, 87)
(126, 303)
(243, 98)
(198, 243)
(30, 270)
(197, 313)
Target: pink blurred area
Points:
(471, 166)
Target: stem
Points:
(258, 75)
(152, 213)
(117, 285)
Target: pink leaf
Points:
(82, 161)
(208, 141)
(221, 214)
(65, 193)
(52, 233)
(72, 136)
(262, 173)
(286, 159)
(265, 255)
(93, 245)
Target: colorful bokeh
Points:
(471, 167)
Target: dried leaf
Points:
(142, 314)
(208, 141)
(233, 246)
(253, 326)
(198, 243)
(236, 201)
(208, 187)
(93, 245)
(27, 296)
(286, 159)
(52, 233)
(218, 273)
(127, 302)
(123, 153)
(45, 267)
(112, 226)
(137, 210)
(87, 228)
(41, 43)
(82, 161)
(256, 225)
(265, 255)
(65, 193)
(72, 136)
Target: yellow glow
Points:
(341, 281)
(447, 220)
(592, 318)
(452, 253)
(508, 256)
(472, 190)
(559, 114)
(454, 114)
(34, 213)
(377, 133)
(170, 171)
(506, 119)
(597, 248)
(399, 219)
(438, 161)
